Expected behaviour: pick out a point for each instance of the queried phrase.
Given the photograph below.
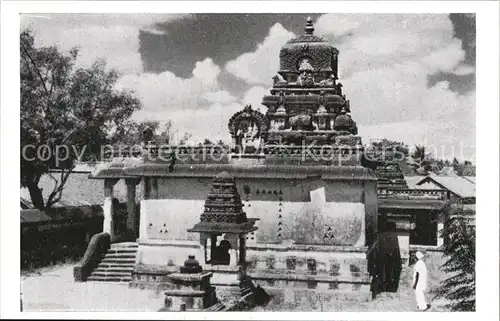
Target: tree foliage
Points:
(138, 133)
(460, 253)
(66, 113)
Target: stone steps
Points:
(118, 260)
(127, 269)
(216, 307)
(117, 265)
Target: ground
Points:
(53, 289)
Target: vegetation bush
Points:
(460, 253)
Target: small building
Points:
(462, 189)
(414, 213)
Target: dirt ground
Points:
(53, 289)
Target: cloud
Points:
(445, 59)
(206, 71)
(444, 138)
(113, 37)
(209, 121)
(169, 92)
(221, 96)
(385, 61)
(197, 105)
(464, 70)
(254, 97)
(260, 66)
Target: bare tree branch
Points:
(36, 68)
(56, 194)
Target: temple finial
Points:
(309, 29)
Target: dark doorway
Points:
(425, 231)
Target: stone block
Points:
(291, 263)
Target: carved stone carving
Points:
(321, 56)
(247, 124)
(350, 140)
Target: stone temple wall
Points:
(284, 208)
(311, 233)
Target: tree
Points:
(464, 169)
(137, 133)
(66, 113)
(460, 250)
(422, 161)
(207, 141)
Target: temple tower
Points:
(297, 168)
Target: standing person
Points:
(420, 282)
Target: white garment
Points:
(421, 269)
(421, 302)
(421, 287)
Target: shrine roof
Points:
(252, 171)
(215, 227)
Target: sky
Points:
(409, 77)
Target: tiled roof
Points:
(457, 185)
(470, 178)
(412, 181)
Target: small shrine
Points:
(223, 227)
(191, 288)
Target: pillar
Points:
(403, 229)
(242, 248)
(154, 188)
(440, 227)
(131, 206)
(108, 224)
(143, 219)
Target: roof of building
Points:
(458, 185)
(252, 170)
(470, 178)
(411, 204)
(412, 181)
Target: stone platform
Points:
(341, 271)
